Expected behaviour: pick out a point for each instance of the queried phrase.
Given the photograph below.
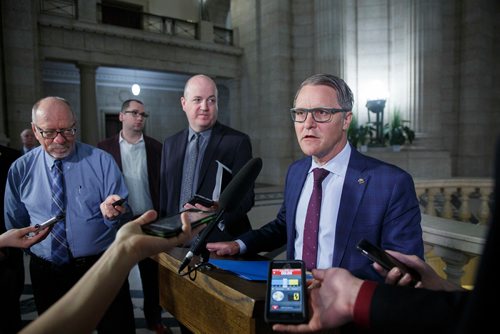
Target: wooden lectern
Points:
(217, 301)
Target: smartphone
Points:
(118, 202)
(50, 222)
(286, 297)
(386, 260)
(206, 202)
(171, 226)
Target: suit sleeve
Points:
(402, 230)
(269, 237)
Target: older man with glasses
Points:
(335, 196)
(63, 176)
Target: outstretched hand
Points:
(429, 278)
(224, 248)
(331, 301)
(144, 245)
(23, 237)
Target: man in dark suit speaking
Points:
(192, 157)
(359, 197)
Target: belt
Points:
(74, 262)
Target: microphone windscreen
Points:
(242, 182)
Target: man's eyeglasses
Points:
(52, 134)
(320, 115)
(136, 113)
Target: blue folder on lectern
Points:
(249, 270)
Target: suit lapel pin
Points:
(361, 181)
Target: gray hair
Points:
(344, 93)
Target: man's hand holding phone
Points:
(112, 207)
(48, 223)
(396, 272)
(286, 297)
(171, 226)
(201, 203)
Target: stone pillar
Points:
(87, 11)
(88, 104)
(425, 57)
(266, 80)
(21, 84)
(206, 31)
(329, 34)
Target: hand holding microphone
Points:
(229, 200)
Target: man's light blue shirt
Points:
(90, 175)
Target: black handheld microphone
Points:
(229, 200)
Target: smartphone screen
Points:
(171, 226)
(286, 292)
(386, 260)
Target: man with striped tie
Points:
(70, 178)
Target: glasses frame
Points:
(136, 113)
(70, 132)
(329, 111)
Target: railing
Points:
(456, 213)
(223, 36)
(139, 20)
(455, 243)
(67, 8)
(466, 200)
(169, 26)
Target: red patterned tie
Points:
(311, 226)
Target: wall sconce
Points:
(136, 89)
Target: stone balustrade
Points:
(467, 200)
(455, 242)
(455, 220)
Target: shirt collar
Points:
(121, 139)
(204, 134)
(338, 164)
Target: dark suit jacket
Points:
(153, 156)
(406, 310)
(383, 209)
(230, 147)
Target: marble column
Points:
(425, 58)
(88, 104)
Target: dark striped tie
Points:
(60, 252)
